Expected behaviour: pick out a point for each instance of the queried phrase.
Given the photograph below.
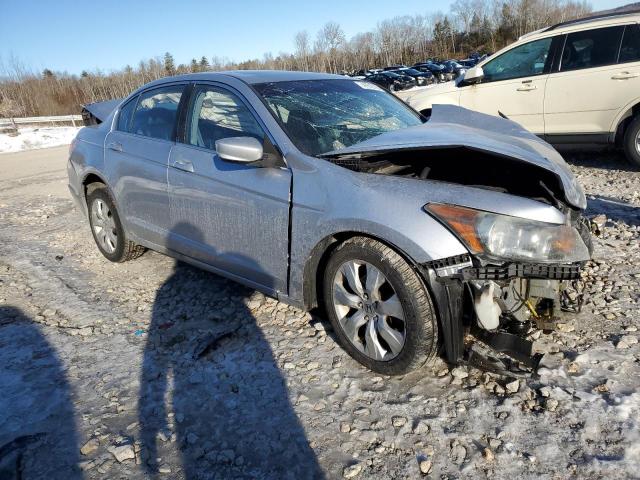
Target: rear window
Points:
(156, 113)
(630, 49)
(591, 48)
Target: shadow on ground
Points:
(209, 378)
(37, 426)
(603, 158)
(614, 209)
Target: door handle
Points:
(185, 165)
(526, 87)
(116, 146)
(624, 76)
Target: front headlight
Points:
(512, 238)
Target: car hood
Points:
(452, 126)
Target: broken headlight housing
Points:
(511, 238)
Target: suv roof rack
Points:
(599, 16)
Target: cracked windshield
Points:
(322, 116)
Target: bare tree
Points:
(301, 42)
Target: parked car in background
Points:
(438, 71)
(574, 82)
(422, 78)
(473, 59)
(456, 68)
(392, 81)
(322, 190)
(393, 67)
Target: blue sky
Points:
(91, 34)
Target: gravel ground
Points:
(153, 369)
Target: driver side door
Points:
(231, 216)
(514, 84)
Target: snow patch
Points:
(31, 138)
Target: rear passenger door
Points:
(590, 86)
(232, 216)
(136, 159)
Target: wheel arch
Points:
(316, 264)
(628, 113)
(93, 177)
(89, 179)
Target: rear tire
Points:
(385, 318)
(106, 227)
(631, 142)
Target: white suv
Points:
(575, 82)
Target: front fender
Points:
(358, 204)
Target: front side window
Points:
(156, 113)
(124, 117)
(524, 60)
(591, 48)
(320, 116)
(630, 49)
(215, 114)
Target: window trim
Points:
(545, 70)
(181, 138)
(617, 57)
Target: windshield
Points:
(321, 116)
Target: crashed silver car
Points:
(330, 192)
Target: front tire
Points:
(379, 307)
(631, 142)
(106, 227)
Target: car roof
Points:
(605, 19)
(250, 76)
(586, 23)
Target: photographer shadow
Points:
(211, 387)
(38, 437)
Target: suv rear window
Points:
(156, 113)
(630, 50)
(591, 48)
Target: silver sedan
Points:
(329, 192)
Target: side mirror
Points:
(239, 149)
(473, 75)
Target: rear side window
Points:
(216, 114)
(630, 49)
(124, 117)
(156, 113)
(591, 48)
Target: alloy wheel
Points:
(369, 310)
(104, 225)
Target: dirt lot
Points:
(155, 368)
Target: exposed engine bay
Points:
(502, 305)
(463, 166)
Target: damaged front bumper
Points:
(499, 304)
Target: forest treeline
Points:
(482, 26)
